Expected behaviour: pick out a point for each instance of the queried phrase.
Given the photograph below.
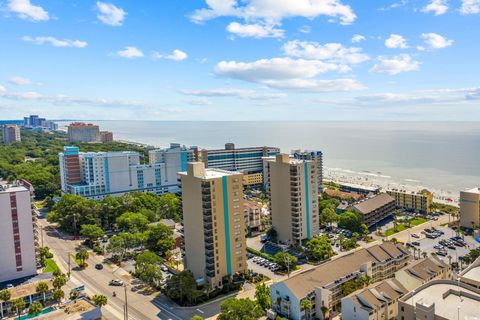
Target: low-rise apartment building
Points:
(420, 201)
(440, 300)
(358, 188)
(470, 208)
(253, 216)
(214, 223)
(421, 271)
(19, 237)
(293, 189)
(323, 285)
(375, 209)
(378, 301)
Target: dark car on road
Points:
(99, 266)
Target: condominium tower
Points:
(17, 239)
(214, 223)
(97, 174)
(11, 134)
(314, 156)
(470, 208)
(83, 132)
(293, 188)
(246, 160)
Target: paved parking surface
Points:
(427, 244)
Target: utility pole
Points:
(126, 303)
(41, 234)
(69, 265)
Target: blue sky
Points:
(240, 60)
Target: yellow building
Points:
(214, 223)
(413, 201)
(253, 179)
(293, 187)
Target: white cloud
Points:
(26, 10)
(395, 65)
(199, 102)
(358, 38)
(305, 29)
(470, 6)
(176, 55)
(274, 11)
(332, 52)
(110, 14)
(288, 74)
(233, 92)
(3, 90)
(436, 41)
(396, 41)
(19, 81)
(255, 30)
(395, 5)
(130, 52)
(56, 42)
(438, 7)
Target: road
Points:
(141, 305)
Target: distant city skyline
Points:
(240, 60)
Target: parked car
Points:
(116, 282)
(415, 235)
(442, 253)
(416, 243)
(438, 246)
(99, 266)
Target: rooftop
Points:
(450, 298)
(27, 289)
(425, 268)
(72, 311)
(252, 204)
(376, 295)
(371, 204)
(305, 282)
(359, 186)
(16, 186)
(474, 190)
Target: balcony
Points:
(208, 226)
(208, 237)
(210, 260)
(211, 273)
(207, 206)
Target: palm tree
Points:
(35, 308)
(58, 295)
(59, 281)
(449, 260)
(82, 255)
(42, 287)
(5, 296)
(100, 300)
(307, 306)
(324, 311)
(424, 254)
(18, 305)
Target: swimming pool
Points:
(44, 311)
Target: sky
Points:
(240, 59)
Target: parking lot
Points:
(428, 245)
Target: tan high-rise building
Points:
(470, 208)
(214, 223)
(11, 134)
(293, 187)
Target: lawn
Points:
(417, 221)
(50, 266)
(402, 226)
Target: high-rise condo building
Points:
(106, 136)
(214, 223)
(97, 174)
(11, 133)
(18, 238)
(470, 208)
(34, 122)
(314, 156)
(83, 132)
(246, 160)
(293, 189)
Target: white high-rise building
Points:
(175, 160)
(98, 174)
(17, 239)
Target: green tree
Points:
(58, 295)
(59, 281)
(318, 248)
(159, 238)
(82, 256)
(100, 300)
(195, 317)
(352, 221)
(147, 268)
(272, 234)
(262, 295)
(35, 308)
(132, 222)
(92, 233)
(5, 296)
(239, 309)
(286, 261)
(328, 215)
(307, 306)
(42, 288)
(18, 305)
(44, 254)
(182, 287)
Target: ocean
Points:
(440, 155)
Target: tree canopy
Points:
(240, 309)
(318, 249)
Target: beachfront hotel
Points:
(98, 174)
(18, 239)
(420, 201)
(83, 132)
(246, 160)
(293, 188)
(11, 133)
(470, 208)
(214, 223)
(323, 285)
(314, 156)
